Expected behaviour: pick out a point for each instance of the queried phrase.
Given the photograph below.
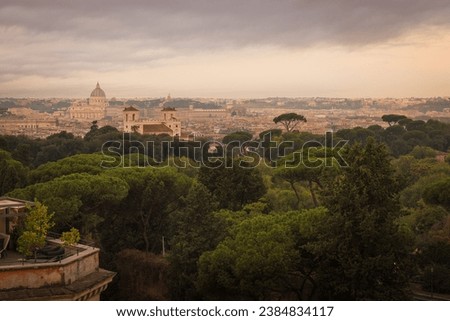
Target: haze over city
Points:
(227, 49)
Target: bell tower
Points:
(169, 114)
(130, 118)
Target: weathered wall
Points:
(48, 274)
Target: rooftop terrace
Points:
(56, 272)
(75, 275)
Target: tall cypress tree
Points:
(363, 255)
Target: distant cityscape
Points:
(204, 117)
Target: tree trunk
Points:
(144, 221)
(313, 195)
(313, 289)
(296, 193)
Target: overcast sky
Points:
(234, 48)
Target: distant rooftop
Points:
(156, 128)
(11, 207)
(8, 202)
(131, 108)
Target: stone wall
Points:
(36, 275)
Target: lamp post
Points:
(432, 285)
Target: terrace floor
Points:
(12, 258)
(15, 258)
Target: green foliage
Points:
(404, 122)
(275, 132)
(81, 163)
(283, 200)
(81, 200)
(56, 147)
(357, 134)
(39, 220)
(427, 218)
(29, 242)
(410, 169)
(233, 186)
(412, 195)
(301, 173)
(376, 129)
(421, 152)
(363, 254)
(133, 160)
(197, 230)
(184, 165)
(433, 255)
(289, 120)
(230, 233)
(438, 193)
(23, 153)
(403, 135)
(70, 238)
(263, 259)
(418, 125)
(240, 137)
(392, 118)
(36, 226)
(12, 173)
(394, 131)
(143, 215)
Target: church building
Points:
(168, 124)
(93, 109)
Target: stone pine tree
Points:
(392, 119)
(301, 173)
(289, 120)
(12, 173)
(362, 253)
(233, 185)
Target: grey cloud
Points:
(217, 23)
(53, 38)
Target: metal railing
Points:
(85, 242)
(55, 238)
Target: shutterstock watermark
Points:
(130, 152)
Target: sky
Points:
(225, 49)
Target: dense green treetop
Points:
(438, 193)
(80, 163)
(80, 200)
(240, 137)
(289, 120)
(12, 173)
(363, 252)
(263, 259)
(233, 186)
(391, 119)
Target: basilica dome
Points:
(98, 92)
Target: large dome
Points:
(98, 92)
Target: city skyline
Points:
(225, 49)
